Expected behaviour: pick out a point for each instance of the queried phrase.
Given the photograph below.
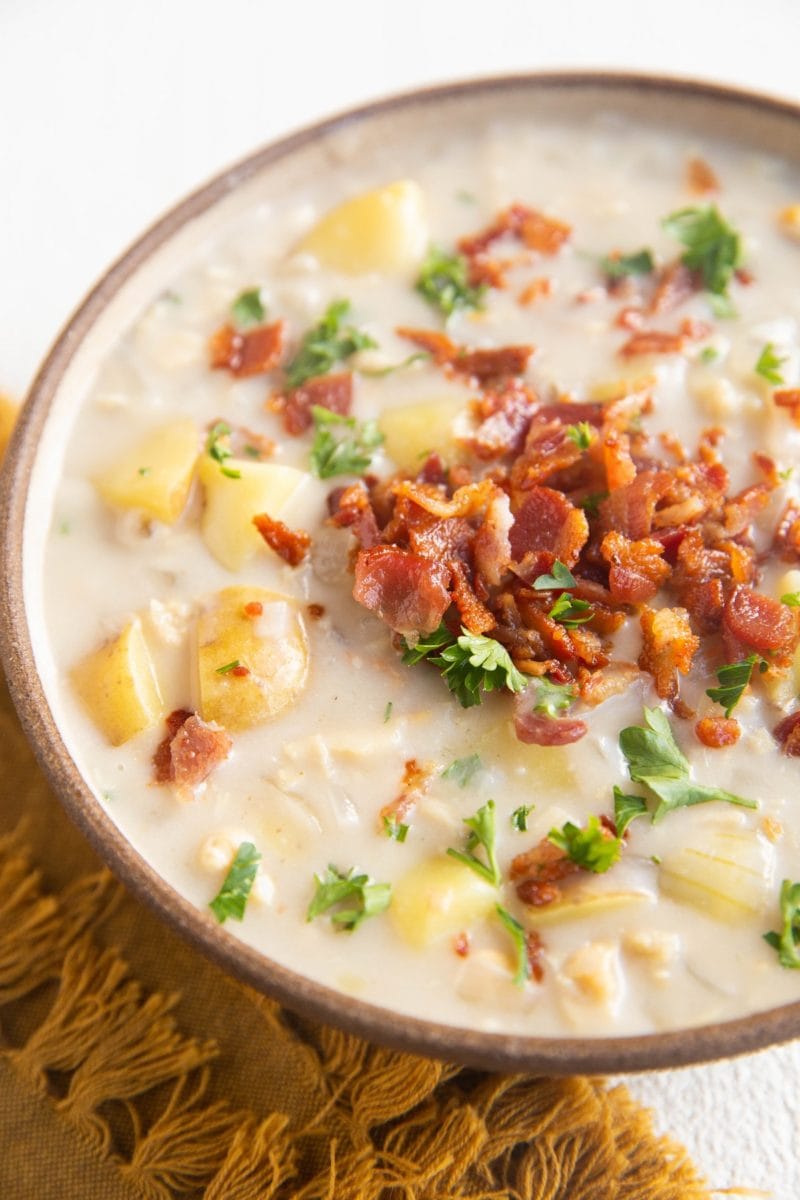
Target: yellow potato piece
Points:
(729, 878)
(230, 505)
(548, 770)
(383, 230)
(580, 904)
(412, 432)
(118, 686)
(273, 647)
(437, 898)
(8, 415)
(789, 220)
(154, 476)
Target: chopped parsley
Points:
(231, 666)
(326, 344)
(591, 503)
(519, 817)
(617, 267)
(581, 434)
(787, 942)
(561, 577)
(470, 664)
(347, 455)
(394, 829)
(523, 971)
(145, 470)
(218, 447)
(791, 599)
(247, 308)
(463, 770)
(571, 612)
(712, 247)
(387, 712)
(709, 354)
(362, 898)
(444, 283)
(379, 372)
(768, 364)
(552, 698)
(654, 758)
(592, 848)
(482, 834)
(626, 809)
(231, 899)
(786, 474)
(733, 679)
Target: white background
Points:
(110, 112)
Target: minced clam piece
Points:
(424, 580)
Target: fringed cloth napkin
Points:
(132, 1068)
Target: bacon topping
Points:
(700, 178)
(334, 392)
(652, 341)
(253, 352)
(291, 544)
(787, 734)
(668, 647)
(636, 569)
(787, 535)
(717, 732)
(405, 590)
(759, 621)
(537, 873)
(547, 527)
(190, 751)
(789, 398)
(484, 366)
(351, 509)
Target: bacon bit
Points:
(239, 671)
(717, 732)
(652, 341)
(637, 569)
(739, 511)
(674, 285)
(619, 466)
(505, 415)
(162, 758)
(461, 944)
(351, 509)
(696, 331)
(291, 544)
(787, 535)
(405, 590)
(441, 348)
(591, 295)
(548, 450)
(538, 232)
(630, 510)
(466, 501)
(537, 289)
(547, 526)
(334, 392)
(315, 611)
(414, 784)
(629, 318)
(538, 871)
(253, 608)
(487, 365)
(536, 729)
(244, 354)
(534, 948)
(609, 681)
(491, 548)
(668, 647)
(787, 734)
(255, 445)
(768, 468)
(760, 621)
(474, 615)
(190, 751)
(789, 398)
(700, 178)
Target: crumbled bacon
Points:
(619, 466)
(405, 590)
(538, 232)
(474, 615)
(190, 751)
(536, 729)
(630, 509)
(504, 416)
(789, 398)
(415, 782)
(787, 535)
(546, 527)
(492, 546)
(700, 178)
(759, 622)
(461, 944)
(636, 569)
(253, 608)
(534, 949)
(787, 734)
(537, 289)
(652, 341)
(244, 354)
(291, 544)
(717, 732)
(334, 392)
(612, 680)
(351, 508)
(675, 284)
(668, 647)
(537, 873)
(162, 758)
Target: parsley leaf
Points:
(768, 363)
(219, 447)
(640, 263)
(335, 889)
(523, 971)
(571, 612)
(626, 809)
(519, 817)
(394, 829)
(733, 679)
(552, 698)
(387, 712)
(326, 344)
(231, 899)
(331, 455)
(581, 434)
(444, 282)
(247, 308)
(709, 354)
(470, 664)
(462, 770)
(713, 247)
(379, 372)
(560, 578)
(791, 599)
(654, 759)
(482, 833)
(787, 942)
(592, 848)
(228, 667)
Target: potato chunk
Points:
(414, 431)
(8, 415)
(437, 898)
(272, 646)
(230, 505)
(383, 230)
(729, 878)
(155, 475)
(581, 902)
(118, 686)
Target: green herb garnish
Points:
(626, 809)
(394, 829)
(470, 664)
(387, 712)
(523, 971)
(592, 848)
(581, 434)
(713, 247)
(444, 282)
(519, 817)
(571, 612)
(591, 503)
(247, 308)
(379, 372)
(768, 364)
(231, 899)
(787, 942)
(709, 354)
(228, 667)
(653, 758)
(552, 698)
(791, 599)
(219, 448)
(733, 679)
(482, 834)
(561, 577)
(462, 770)
(368, 898)
(640, 263)
(347, 455)
(326, 344)
(145, 470)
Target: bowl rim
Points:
(309, 998)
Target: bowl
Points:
(756, 120)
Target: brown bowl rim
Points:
(494, 1051)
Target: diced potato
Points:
(412, 432)
(382, 230)
(118, 686)
(728, 878)
(607, 390)
(549, 770)
(437, 898)
(8, 415)
(789, 220)
(230, 505)
(154, 476)
(591, 973)
(273, 647)
(582, 902)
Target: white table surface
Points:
(110, 112)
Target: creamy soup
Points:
(424, 580)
